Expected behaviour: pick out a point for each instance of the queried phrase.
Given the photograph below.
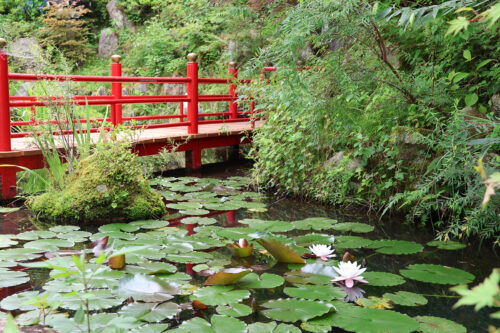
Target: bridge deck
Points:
(26, 147)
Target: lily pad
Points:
(4, 210)
(406, 298)
(234, 310)
(272, 327)
(49, 244)
(35, 234)
(20, 301)
(314, 223)
(219, 295)
(12, 278)
(235, 233)
(353, 226)
(194, 212)
(64, 228)
(19, 254)
(383, 279)
(396, 247)
(280, 251)
(437, 274)
(322, 293)
(7, 241)
(352, 242)
(266, 280)
(448, 245)
(147, 288)
(358, 319)
(227, 276)
(220, 324)
(199, 220)
(270, 226)
(292, 310)
(429, 324)
(310, 239)
(150, 312)
(190, 258)
(373, 302)
(99, 299)
(150, 224)
(185, 205)
(125, 227)
(151, 268)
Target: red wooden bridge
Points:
(188, 131)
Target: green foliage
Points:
(486, 293)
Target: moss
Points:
(108, 184)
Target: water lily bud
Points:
(117, 262)
(242, 243)
(197, 305)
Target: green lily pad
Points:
(373, 302)
(383, 279)
(430, 324)
(437, 274)
(99, 299)
(151, 268)
(125, 227)
(150, 224)
(406, 298)
(226, 276)
(199, 220)
(7, 241)
(270, 226)
(272, 327)
(235, 233)
(20, 301)
(49, 244)
(19, 254)
(352, 242)
(322, 293)
(35, 234)
(292, 310)
(220, 324)
(448, 245)
(64, 228)
(194, 212)
(234, 310)
(75, 236)
(280, 251)
(266, 280)
(358, 319)
(147, 288)
(190, 258)
(310, 239)
(4, 210)
(314, 223)
(353, 226)
(113, 235)
(219, 295)
(150, 312)
(396, 247)
(185, 205)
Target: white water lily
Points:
(349, 272)
(322, 251)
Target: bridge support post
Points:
(193, 158)
(116, 90)
(233, 107)
(5, 144)
(192, 91)
(8, 175)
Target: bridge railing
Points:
(191, 119)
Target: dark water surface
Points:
(440, 299)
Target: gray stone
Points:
(141, 88)
(118, 16)
(108, 43)
(173, 89)
(336, 160)
(495, 105)
(26, 51)
(101, 91)
(24, 89)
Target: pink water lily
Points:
(324, 252)
(348, 273)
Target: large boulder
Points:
(108, 43)
(27, 52)
(495, 105)
(118, 16)
(106, 185)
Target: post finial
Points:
(3, 43)
(192, 57)
(233, 64)
(116, 58)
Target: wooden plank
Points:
(26, 146)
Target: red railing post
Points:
(233, 107)
(116, 90)
(5, 144)
(192, 91)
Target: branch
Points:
(383, 51)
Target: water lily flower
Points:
(348, 273)
(324, 252)
(242, 243)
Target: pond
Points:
(183, 272)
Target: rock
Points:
(108, 43)
(101, 91)
(24, 89)
(173, 89)
(337, 160)
(26, 51)
(118, 16)
(495, 105)
(141, 88)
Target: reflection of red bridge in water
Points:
(191, 132)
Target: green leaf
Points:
(12, 278)
(471, 99)
(352, 242)
(467, 55)
(150, 312)
(199, 220)
(322, 293)
(292, 310)
(7, 241)
(234, 310)
(147, 288)
(447, 245)
(353, 226)
(126, 227)
(430, 324)
(383, 279)
(406, 298)
(19, 301)
(190, 258)
(270, 226)
(484, 294)
(396, 247)
(219, 295)
(220, 324)
(266, 280)
(437, 274)
(457, 25)
(49, 244)
(280, 251)
(10, 325)
(314, 223)
(226, 276)
(4, 210)
(310, 239)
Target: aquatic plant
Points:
(324, 252)
(349, 272)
